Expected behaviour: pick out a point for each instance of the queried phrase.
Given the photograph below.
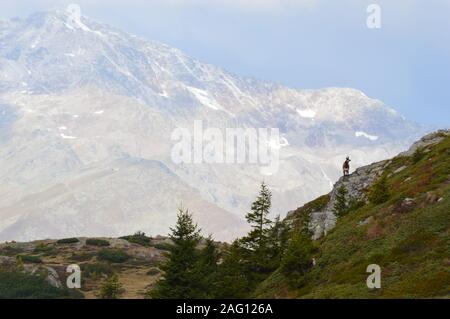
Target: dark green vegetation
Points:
(112, 255)
(97, 242)
(68, 241)
(341, 205)
(84, 256)
(138, 238)
(193, 272)
(298, 259)
(181, 270)
(29, 259)
(344, 203)
(26, 286)
(111, 288)
(379, 192)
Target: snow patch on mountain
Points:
(68, 137)
(204, 98)
(307, 113)
(368, 136)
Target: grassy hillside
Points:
(407, 236)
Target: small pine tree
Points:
(298, 259)
(379, 192)
(180, 279)
(256, 243)
(258, 220)
(111, 288)
(340, 205)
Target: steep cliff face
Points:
(323, 219)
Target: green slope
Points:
(408, 239)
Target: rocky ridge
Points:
(324, 219)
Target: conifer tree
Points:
(258, 220)
(180, 278)
(278, 237)
(379, 192)
(234, 273)
(340, 205)
(206, 268)
(111, 288)
(298, 259)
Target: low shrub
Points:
(82, 256)
(138, 238)
(68, 241)
(113, 255)
(29, 259)
(379, 192)
(97, 242)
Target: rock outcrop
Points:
(427, 140)
(357, 184)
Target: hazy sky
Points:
(300, 43)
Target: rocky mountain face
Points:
(86, 118)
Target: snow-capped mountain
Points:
(86, 117)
